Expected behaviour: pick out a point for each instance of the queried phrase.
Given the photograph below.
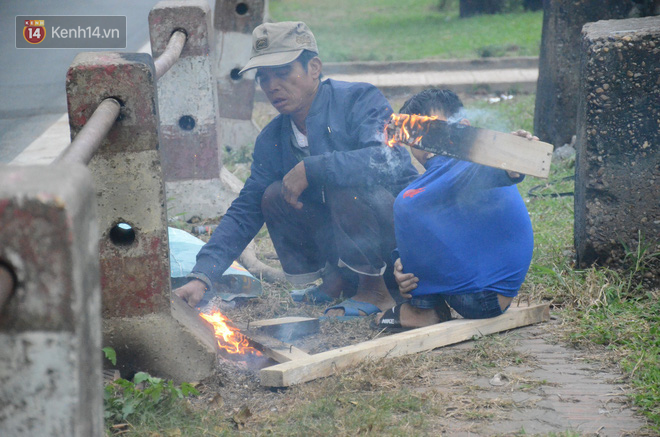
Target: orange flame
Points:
(229, 338)
(402, 126)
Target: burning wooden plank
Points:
(211, 331)
(405, 343)
(482, 146)
(275, 349)
(189, 318)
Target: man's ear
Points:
(315, 66)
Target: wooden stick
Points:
(275, 349)
(286, 328)
(482, 146)
(190, 319)
(405, 343)
(203, 330)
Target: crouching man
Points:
(321, 179)
(464, 236)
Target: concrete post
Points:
(234, 22)
(559, 63)
(195, 181)
(617, 185)
(135, 274)
(50, 329)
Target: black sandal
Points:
(391, 320)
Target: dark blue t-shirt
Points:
(463, 228)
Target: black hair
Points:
(305, 57)
(425, 102)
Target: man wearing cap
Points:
(322, 180)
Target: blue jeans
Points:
(480, 305)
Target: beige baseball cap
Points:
(276, 44)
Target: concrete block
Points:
(240, 16)
(127, 173)
(50, 328)
(234, 22)
(559, 63)
(186, 93)
(203, 198)
(134, 252)
(617, 186)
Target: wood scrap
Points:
(482, 146)
(274, 348)
(286, 328)
(190, 319)
(405, 343)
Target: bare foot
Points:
(334, 285)
(371, 289)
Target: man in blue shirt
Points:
(321, 179)
(463, 232)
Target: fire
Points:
(402, 127)
(229, 338)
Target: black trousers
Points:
(342, 227)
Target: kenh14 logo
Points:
(34, 31)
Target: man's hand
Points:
(192, 292)
(524, 134)
(293, 184)
(406, 281)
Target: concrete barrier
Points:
(133, 242)
(50, 328)
(559, 63)
(617, 183)
(234, 22)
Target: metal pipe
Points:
(171, 54)
(7, 285)
(90, 137)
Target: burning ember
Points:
(229, 337)
(407, 129)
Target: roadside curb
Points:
(524, 62)
(397, 79)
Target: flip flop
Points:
(391, 320)
(311, 295)
(353, 307)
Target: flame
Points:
(229, 338)
(399, 129)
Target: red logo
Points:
(413, 192)
(34, 31)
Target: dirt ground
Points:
(521, 382)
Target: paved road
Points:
(32, 92)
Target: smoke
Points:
(458, 116)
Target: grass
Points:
(400, 30)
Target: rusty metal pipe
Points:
(171, 53)
(7, 285)
(90, 137)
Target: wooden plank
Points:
(204, 332)
(190, 319)
(405, 343)
(286, 328)
(482, 146)
(275, 349)
(511, 152)
(280, 321)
